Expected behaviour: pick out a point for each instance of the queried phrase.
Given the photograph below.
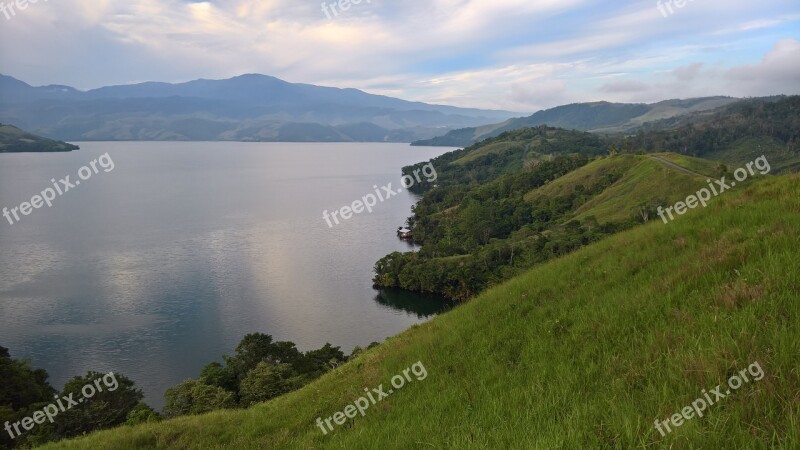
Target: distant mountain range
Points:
(244, 108)
(14, 140)
(598, 117)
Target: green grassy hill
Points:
(555, 206)
(643, 180)
(14, 140)
(585, 351)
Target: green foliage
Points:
(317, 362)
(267, 381)
(23, 390)
(259, 370)
(523, 146)
(480, 222)
(142, 413)
(476, 236)
(105, 409)
(22, 385)
(216, 374)
(777, 120)
(254, 348)
(194, 397)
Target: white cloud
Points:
(687, 73)
(626, 86)
(512, 54)
(778, 72)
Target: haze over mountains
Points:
(597, 117)
(245, 108)
(262, 108)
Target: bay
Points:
(161, 265)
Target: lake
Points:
(161, 265)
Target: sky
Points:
(516, 55)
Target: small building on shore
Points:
(404, 233)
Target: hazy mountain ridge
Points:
(248, 107)
(598, 117)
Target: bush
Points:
(268, 381)
(194, 397)
(110, 405)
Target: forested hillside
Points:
(494, 210)
(14, 140)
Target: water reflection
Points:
(421, 305)
(159, 269)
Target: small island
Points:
(15, 140)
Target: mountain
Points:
(14, 140)
(585, 351)
(473, 236)
(598, 117)
(734, 134)
(528, 195)
(246, 108)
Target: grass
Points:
(650, 181)
(587, 175)
(582, 352)
(748, 149)
(496, 148)
(701, 166)
(644, 180)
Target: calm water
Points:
(163, 264)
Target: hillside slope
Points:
(643, 180)
(586, 351)
(479, 235)
(14, 140)
(600, 117)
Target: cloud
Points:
(687, 73)
(509, 54)
(778, 72)
(625, 86)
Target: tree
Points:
(320, 361)
(22, 385)
(142, 413)
(254, 348)
(114, 398)
(268, 381)
(194, 397)
(23, 390)
(215, 374)
(285, 352)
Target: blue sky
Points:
(520, 55)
